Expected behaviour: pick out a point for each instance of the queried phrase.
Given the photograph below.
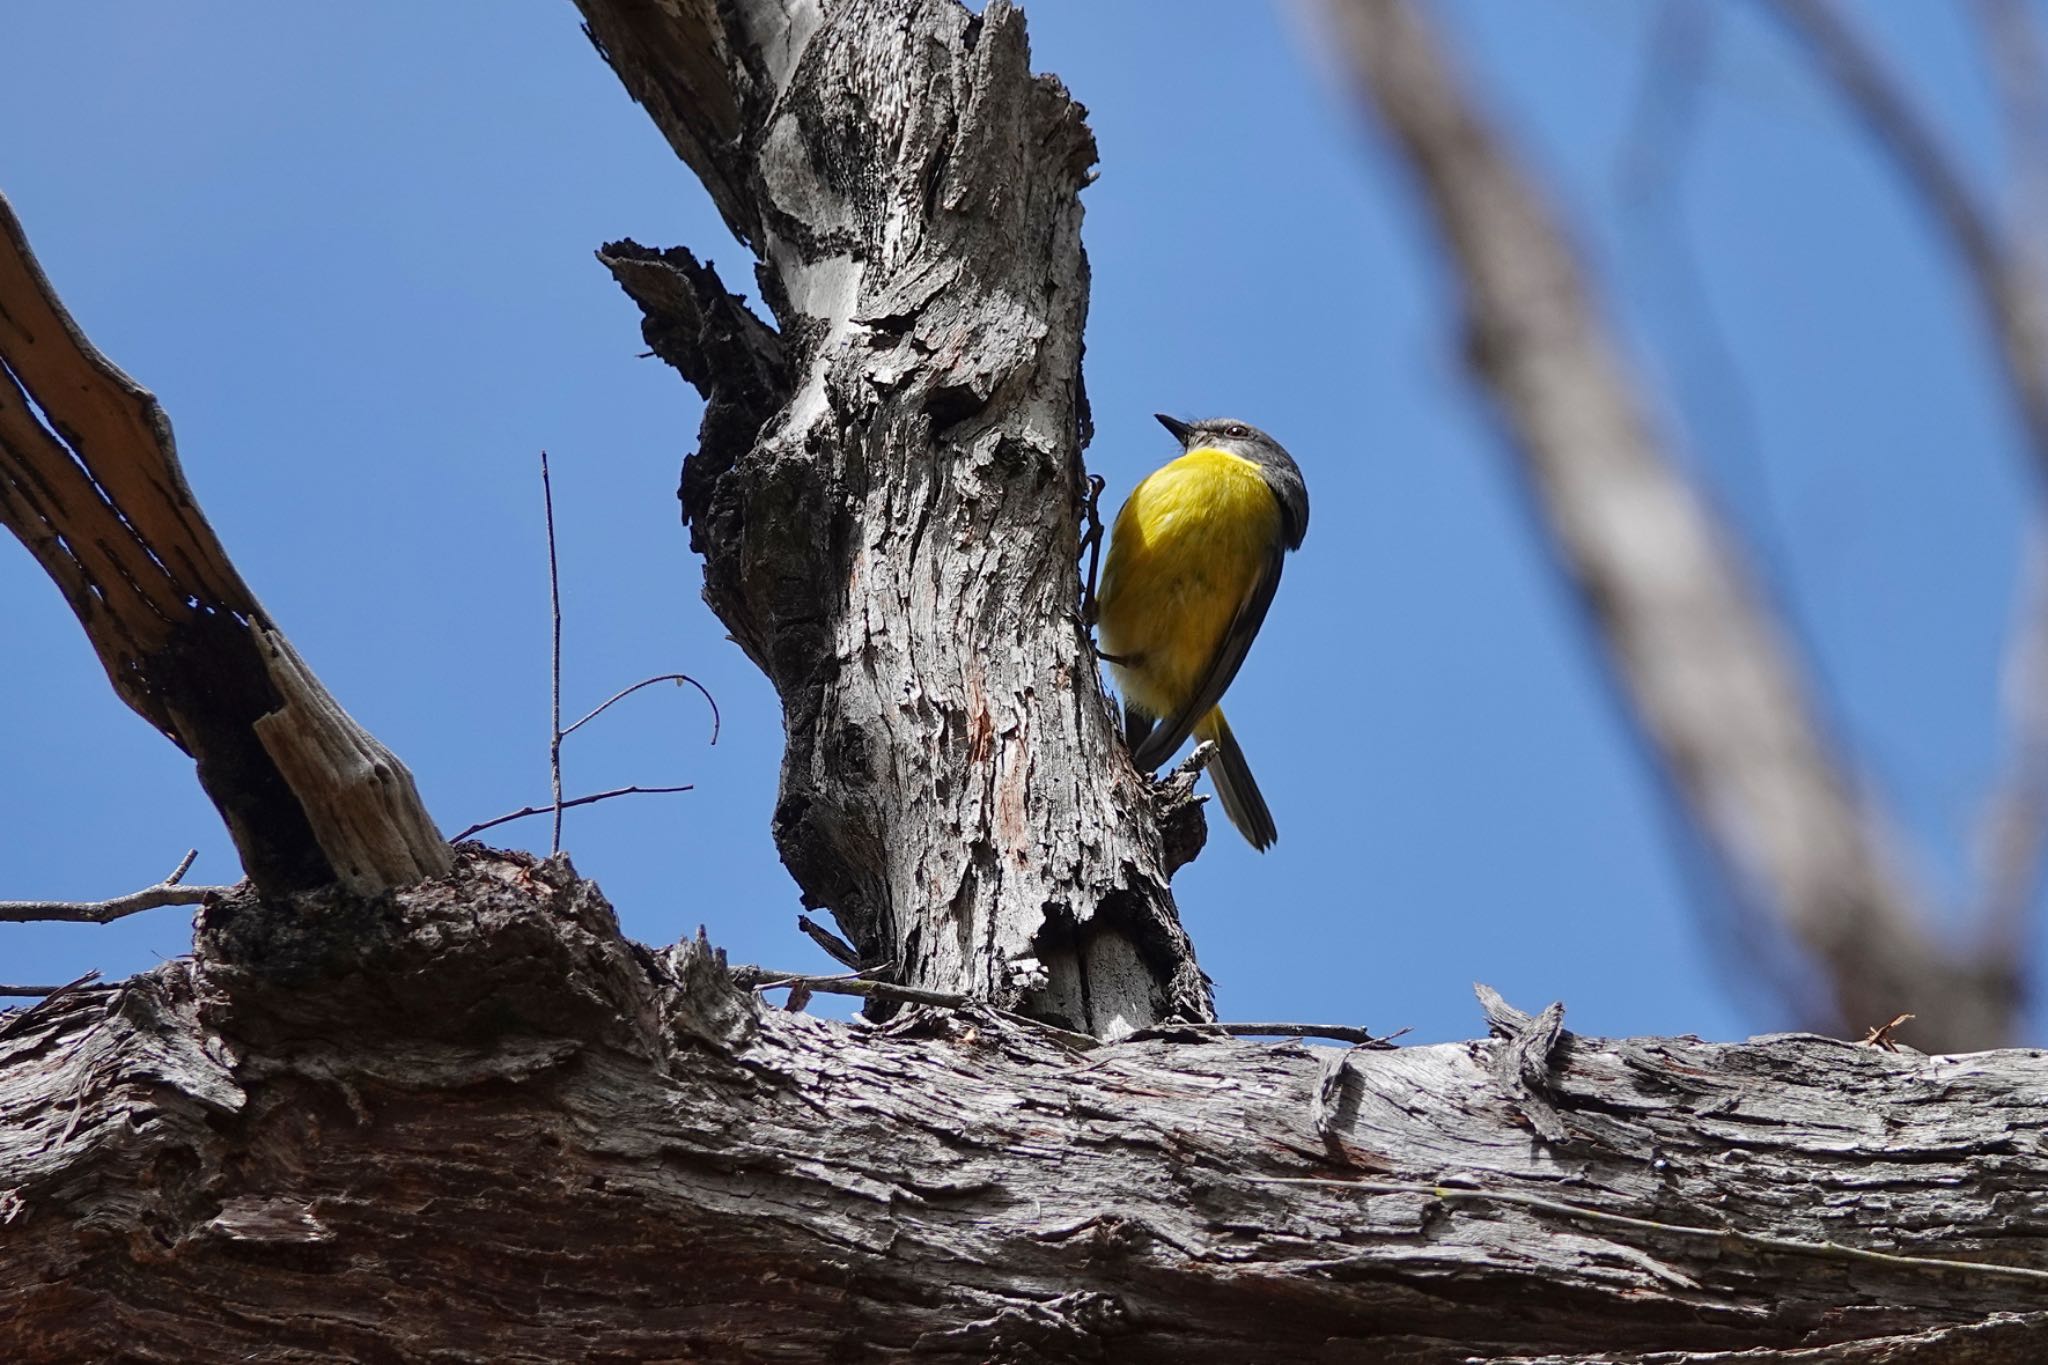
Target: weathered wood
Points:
(470, 1122)
(90, 483)
(887, 486)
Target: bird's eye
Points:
(1237, 431)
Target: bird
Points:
(1194, 558)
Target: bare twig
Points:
(861, 983)
(559, 805)
(1882, 1035)
(170, 891)
(547, 495)
(855, 983)
(1342, 1033)
(677, 678)
(48, 992)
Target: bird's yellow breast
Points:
(1187, 547)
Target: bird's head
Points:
(1225, 433)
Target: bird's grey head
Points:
(1248, 442)
(1226, 433)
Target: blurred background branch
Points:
(1725, 702)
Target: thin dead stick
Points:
(859, 983)
(1457, 1194)
(559, 805)
(1342, 1033)
(547, 495)
(760, 978)
(48, 991)
(677, 678)
(170, 891)
(756, 979)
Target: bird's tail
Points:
(1234, 785)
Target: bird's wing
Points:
(1160, 745)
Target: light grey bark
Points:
(471, 1123)
(1712, 678)
(888, 485)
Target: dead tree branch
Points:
(47, 992)
(90, 483)
(887, 488)
(2004, 266)
(170, 891)
(525, 812)
(597, 1125)
(1714, 685)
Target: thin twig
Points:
(547, 494)
(170, 891)
(677, 678)
(757, 978)
(1720, 1236)
(559, 805)
(852, 984)
(1343, 1033)
(1880, 1036)
(48, 991)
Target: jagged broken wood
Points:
(90, 483)
(576, 1110)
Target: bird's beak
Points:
(1180, 429)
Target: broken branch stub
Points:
(90, 483)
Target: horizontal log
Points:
(473, 1119)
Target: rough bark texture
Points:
(470, 1122)
(887, 488)
(1722, 697)
(90, 483)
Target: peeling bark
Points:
(471, 1122)
(888, 484)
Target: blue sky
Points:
(351, 251)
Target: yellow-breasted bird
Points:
(1193, 562)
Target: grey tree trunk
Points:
(888, 489)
